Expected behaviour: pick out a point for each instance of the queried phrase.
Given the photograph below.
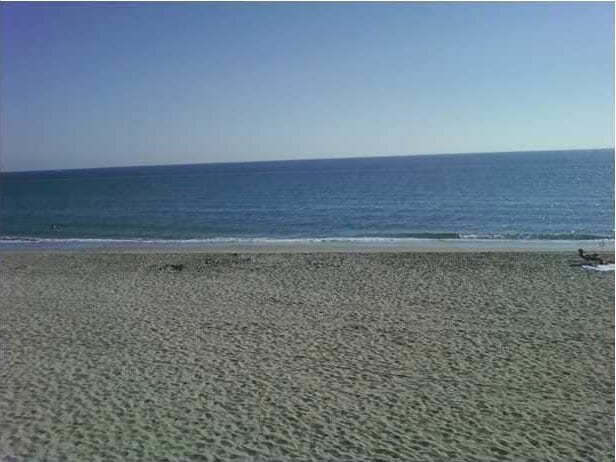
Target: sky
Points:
(98, 85)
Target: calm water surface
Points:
(539, 195)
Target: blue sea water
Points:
(529, 195)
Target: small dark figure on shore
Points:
(595, 258)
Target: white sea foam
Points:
(602, 268)
(230, 239)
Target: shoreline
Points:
(308, 245)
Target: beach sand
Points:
(306, 356)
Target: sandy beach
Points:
(385, 356)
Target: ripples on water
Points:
(533, 195)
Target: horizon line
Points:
(115, 167)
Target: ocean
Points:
(555, 195)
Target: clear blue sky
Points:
(92, 85)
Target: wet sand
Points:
(305, 356)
